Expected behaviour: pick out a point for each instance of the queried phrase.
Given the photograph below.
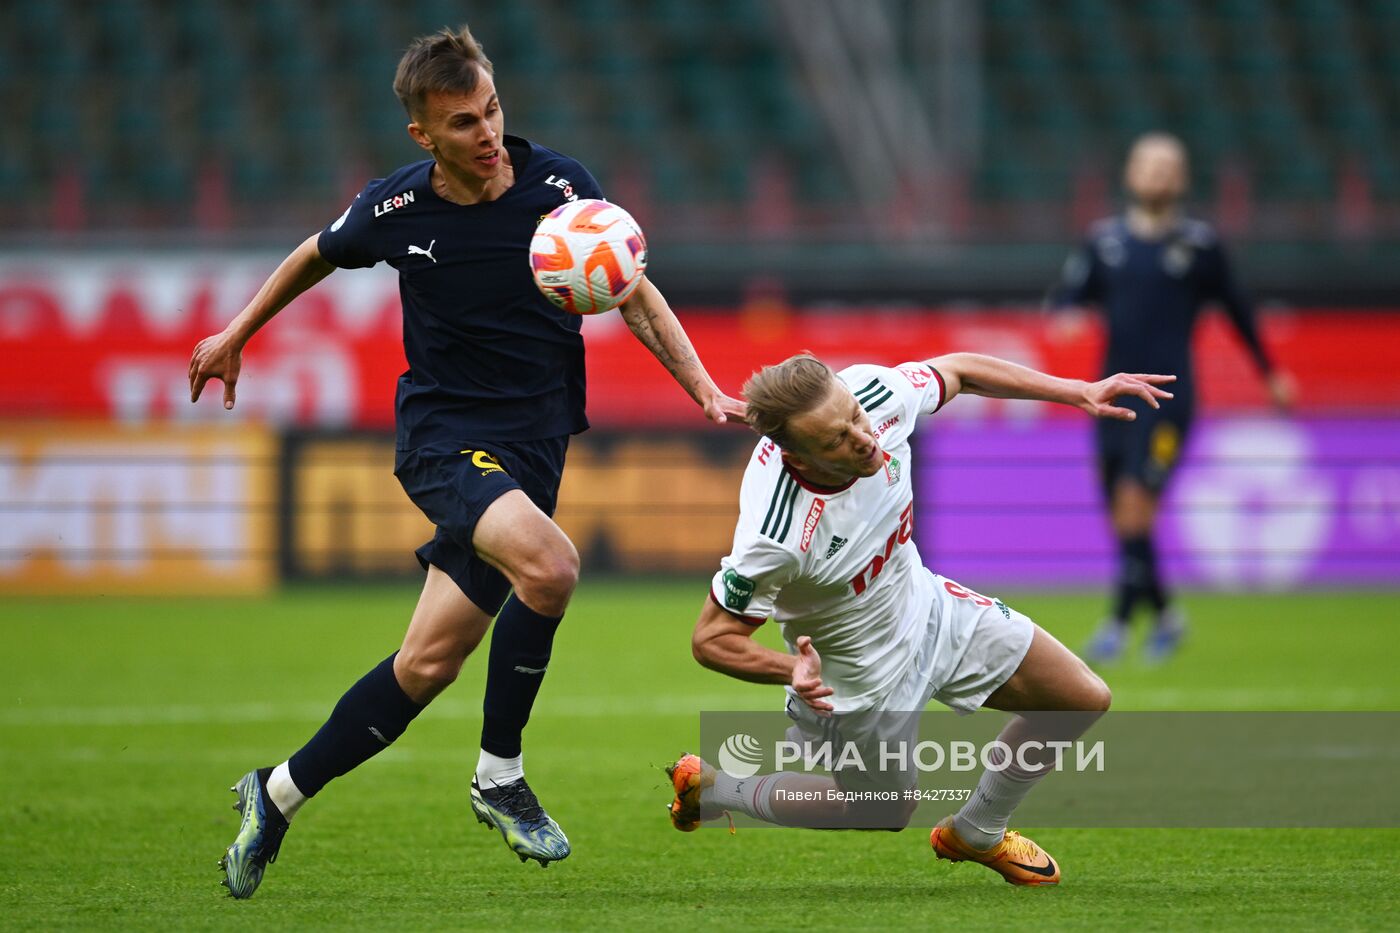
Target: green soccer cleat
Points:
(259, 837)
(528, 830)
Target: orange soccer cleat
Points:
(1015, 858)
(690, 776)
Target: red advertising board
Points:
(110, 337)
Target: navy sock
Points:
(520, 650)
(370, 716)
(1152, 589)
(1137, 575)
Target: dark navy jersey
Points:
(489, 358)
(1151, 292)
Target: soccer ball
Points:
(588, 256)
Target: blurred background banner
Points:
(876, 181)
(103, 508)
(109, 336)
(1259, 504)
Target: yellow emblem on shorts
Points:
(1166, 443)
(484, 462)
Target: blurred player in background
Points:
(824, 547)
(494, 389)
(1150, 271)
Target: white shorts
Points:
(973, 644)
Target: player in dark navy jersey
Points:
(1150, 272)
(493, 390)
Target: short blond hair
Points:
(1163, 139)
(448, 60)
(777, 394)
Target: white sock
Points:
(751, 795)
(982, 820)
(493, 771)
(284, 791)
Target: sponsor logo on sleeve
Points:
(389, 205)
(917, 374)
(563, 185)
(738, 590)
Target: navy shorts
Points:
(453, 484)
(1147, 449)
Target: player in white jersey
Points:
(824, 547)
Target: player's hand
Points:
(721, 408)
(217, 357)
(807, 678)
(1099, 396)
(1282, 390)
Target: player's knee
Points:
(1097, 696)
(424, 674)
(549, 580)
(902, 812)
(891, 815)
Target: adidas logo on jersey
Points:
(837, 542)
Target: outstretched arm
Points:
(1240, 310)
(996, 378)
(655, 324)
(725, 644)
(221, 356)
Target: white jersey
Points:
(840, 565)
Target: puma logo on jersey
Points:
(901, 535)
(422, 251)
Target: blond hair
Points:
(777, 394)
(1160, 138)
(448, 60)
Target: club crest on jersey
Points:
(563, 185)
(388, 205)
(1177, 258)
(892, 471)
(837, 543)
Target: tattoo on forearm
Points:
(648, 328)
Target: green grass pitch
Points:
(125, 721)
